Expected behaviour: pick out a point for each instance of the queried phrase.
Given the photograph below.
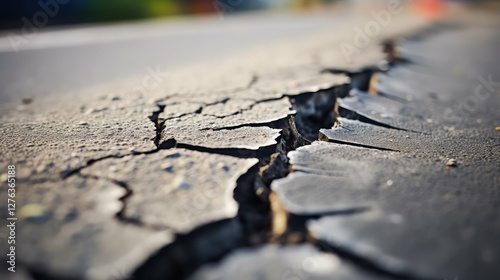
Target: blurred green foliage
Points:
(78, 11)
(109, 10)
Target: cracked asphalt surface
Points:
(282, 161)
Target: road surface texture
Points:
(280, 157)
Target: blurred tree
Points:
(201, 6)
(105, 10)
(157, 8)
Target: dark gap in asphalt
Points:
(359, 80)
(242, 110)
(39, 273)
(208, 243)
(272, 124)
(261, 218)
(392, 97)
(158, 123)
(353, 115)
(255, 222)
(297, 231)
(326, 139)
(167, 144)
(65, 174)
(390, 48)
(234, 152)
(388, 270)
(365, 81)
(316, 111)
(120, 215)
(70, 172)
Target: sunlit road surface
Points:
(61, 60)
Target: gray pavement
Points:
(58, 61)
(280, 160)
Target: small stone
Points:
(259, 191)
(182, 183)
(44, 167)
(452, 163)
(167, 167)
(383, 65)
(27, 101)
(31, 211)
(83, 123)
(223, 166)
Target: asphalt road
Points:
(357, 171)
(59, 61)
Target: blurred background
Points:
(87, 11)
(84, 11)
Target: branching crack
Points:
(250, 107)
(70, 172)
(120, 215)
(261, 218)
(256, 221)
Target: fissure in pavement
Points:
(261, 217)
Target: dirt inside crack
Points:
(261, 218)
